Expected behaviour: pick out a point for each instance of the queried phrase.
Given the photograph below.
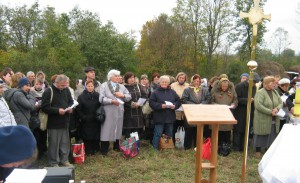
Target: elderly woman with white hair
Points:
(112, 96)
(164, 101)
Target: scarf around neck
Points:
(111, 88)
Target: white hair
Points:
(29, 73)
(164, 78)
(112, 73)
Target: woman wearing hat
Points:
(21, 102)
(283, 91)
(225, 95)
(194, 94)
(18, 147)
(267, 103)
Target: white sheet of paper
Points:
(26, 176)
(120, 101)
(75, 103)
(283, 98)
(180, 109)
(280, 113)
(141, 101)
(169, 104)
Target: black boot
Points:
(116, 146)
(104, 147)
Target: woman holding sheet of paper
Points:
(164, 101)
(112, 96)
(267, 103)
(133, 116)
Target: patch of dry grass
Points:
(160, 166)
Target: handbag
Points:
(146, 109)
(100, 114)
(206, 149)
(129, 147)
(44, 116)
(179, 137)
(165, 142)
(78, 151)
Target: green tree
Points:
(23, 25)
(160, 48)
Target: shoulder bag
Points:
(44, 116)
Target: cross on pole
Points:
(256, 16)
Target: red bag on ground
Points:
(128, 147)
(206, 149)
(78, 151)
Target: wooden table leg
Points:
(214, 153)
(198, 176)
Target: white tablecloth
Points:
(281, 163)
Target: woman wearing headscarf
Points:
(112, 96)
(89, 126)
(133, 116)
(267, 103)
(163, 115)
(194, 94)
(225, 94)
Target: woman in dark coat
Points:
(240, 113)
(163, 114)
(194, 94)
(89, 127)
(133, 116)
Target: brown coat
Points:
(225, 98)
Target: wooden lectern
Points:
(214, 115)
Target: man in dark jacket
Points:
(58, 120)
(240, 112)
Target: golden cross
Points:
(255, 15)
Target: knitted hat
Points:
(244, 74)
(284, 81)
(17, 143)
(22, 82)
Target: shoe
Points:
(67, 164)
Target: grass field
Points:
(160, 166)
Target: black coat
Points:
(157, 98)
(61, 99)
(240, 111)
(86, 110)
(133, 117)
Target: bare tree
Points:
(280, 40)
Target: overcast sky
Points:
(128, 15)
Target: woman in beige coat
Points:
(267, 103)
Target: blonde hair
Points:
(268, 79)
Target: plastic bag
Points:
(136, 136)
(128, 147)
(179, 137)
(78, 151)
(206, 149)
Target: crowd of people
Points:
(22, 97)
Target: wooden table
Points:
(214, 115)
